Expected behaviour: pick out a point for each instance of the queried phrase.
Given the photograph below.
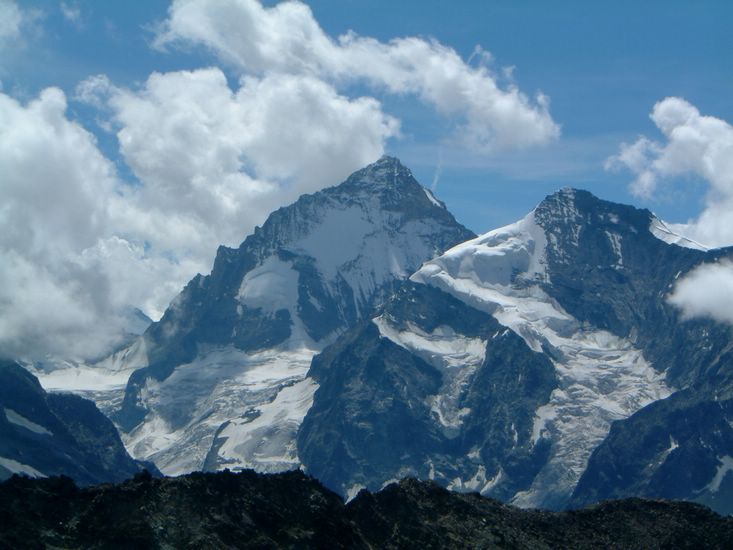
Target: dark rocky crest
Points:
(291, 510)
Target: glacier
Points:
(602, 377)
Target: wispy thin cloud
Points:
(72, 13)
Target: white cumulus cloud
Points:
(213, 161)
(78, 246)
(695, 145)
(700, 146)
(56, 189)
(707, 291)
(286, 38)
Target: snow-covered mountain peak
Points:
(341, 244)
(385, 173)
(569, 206)
(244, 335)
(383, 195)
(509, 273)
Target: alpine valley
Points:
(362, 334)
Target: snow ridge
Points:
(665, 233)
(19, 420)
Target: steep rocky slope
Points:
(43, 434)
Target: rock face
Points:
(507, 362)
(431, 388)
(678, 448)
(53, 434)
(290, 510)
(225, 382)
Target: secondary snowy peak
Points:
(568, 213)
(601, 377)
(244, 335)
(571, 218)
(569, 335)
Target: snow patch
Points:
(267, 443)
(23, 422)
(455, 355)
(478, 482)
(15, 467)
(615, 240)
(725, 466)
(543, 415)
(335, 240)
(364, 245)
(272, 286)
(432, 198)
(353, 491)
(444, 348)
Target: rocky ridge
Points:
(291, 510)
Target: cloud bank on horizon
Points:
(79, 244)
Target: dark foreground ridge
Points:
(292, 510)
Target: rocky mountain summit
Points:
(249, 510)
(224, 384)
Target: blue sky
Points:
(168, 128)
(603, 65)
